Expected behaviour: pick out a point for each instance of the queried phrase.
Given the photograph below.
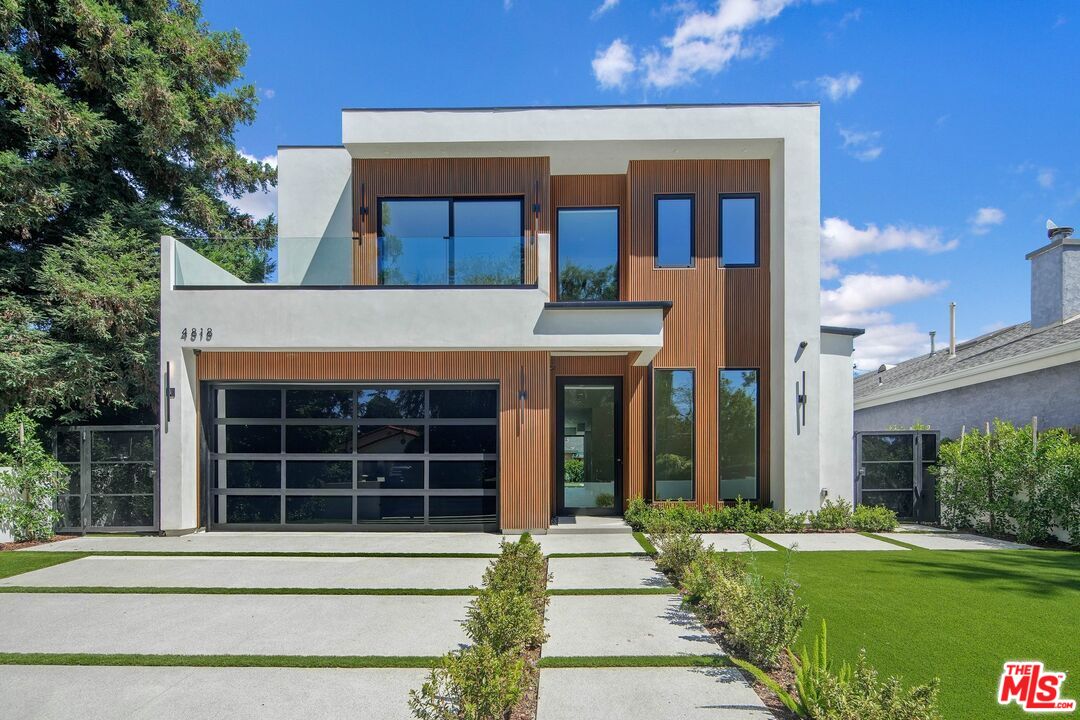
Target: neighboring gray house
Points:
(1029, 369)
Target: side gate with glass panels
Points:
(113, 481)
(893, 469)
(351, 457)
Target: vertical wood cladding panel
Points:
(526, 177)
(524, 428)
(720, 316)
(568, 191)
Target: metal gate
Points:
(894, 471)
(114, 477)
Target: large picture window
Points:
(588, 253)
(739, 230)
(451, 241)
(674, 231)
(673, 434)
(739, 427)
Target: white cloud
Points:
(841, 240)
(258, 204)
(709, 41)
(858, 302)
(269, 93)
(1046, 177)
(985, 219)
(862, 145)
(614, 65)
(604, 7)
(838, 87)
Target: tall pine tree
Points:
(117, 120)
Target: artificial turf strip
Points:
(767, 542)
(613, 591)
(958, 616)
(16, 563)
(122, 590)
(643, 541)
(892, 541)
(615, 661)
(297, 661)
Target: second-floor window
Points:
(451, 241)
(738, 230)
(588, 253)
(674, 231)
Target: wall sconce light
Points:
(170, 393)
(521, 399)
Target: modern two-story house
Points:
(492, 318)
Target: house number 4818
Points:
(197, 334)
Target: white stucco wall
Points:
(837, 417)
(314, 216)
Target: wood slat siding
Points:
(568, 191)
(720, 317)
(524, 436)
(526, 177)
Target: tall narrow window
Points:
(738, 230)
(674, 231)
(673, 435)
(738, 419)
(588, 254)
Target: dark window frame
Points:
(692, 197)
(756, 197)
(693, 434)
(451, 200)
(618, 246)
(757, 435)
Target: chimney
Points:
(1055, 278)
(952, 329)
(932, 334)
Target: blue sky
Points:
(949, 131)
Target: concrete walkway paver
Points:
(955, 541)
(257, 572)
(733, 542)
(816, 542)
(56, 692)
(610, 572)
(605, 625)
(652, 693)
(231, 624)
(589, 543)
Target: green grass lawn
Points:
(955, 615)
(13, 563)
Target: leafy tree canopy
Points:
(116, 125)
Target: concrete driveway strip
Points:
(814, 542)
(733, 542)
(957, 541)
(231, 624)
(589, 543)
(258, 572)
(611, 572)
(606, 625)
(648, 694)
(51, 692)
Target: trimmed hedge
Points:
(746, 517)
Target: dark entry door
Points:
(894, 471)
(589, 445)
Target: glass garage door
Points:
(314, 457)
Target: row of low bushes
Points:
(506, 619)
(1011, 481)
(743, 516)
(31, 482)
(761, 618)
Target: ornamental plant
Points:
(31, 482)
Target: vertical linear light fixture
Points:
(362, 210)
(521, 400)
(170, 393)
(536, 213)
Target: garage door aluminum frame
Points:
(213, 402)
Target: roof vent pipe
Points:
(932, 334)
(952, 329)
(1055, 233)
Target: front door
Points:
(588, 465)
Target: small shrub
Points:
(507, 621)
(874, 518)
(676, 551)
(708, 580)
(29, 490)
(832, 516)
(744, 517)
(780, 521)
(637, 513)
(763, 617)
(519, 569)
(864, 696)
(476, 683)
